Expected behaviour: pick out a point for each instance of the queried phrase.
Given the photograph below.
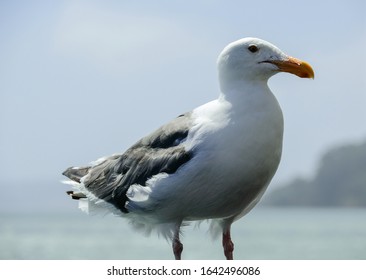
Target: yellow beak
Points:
(294, 66)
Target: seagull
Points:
(212, 163)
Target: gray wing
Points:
(158, 152)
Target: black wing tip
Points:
(76, 196)
(76, 173)
(67, 172)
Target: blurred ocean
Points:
(265, 233)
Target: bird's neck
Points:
(244, 94)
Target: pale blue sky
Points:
(84, 79)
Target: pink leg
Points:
(227, 244)
(177, 245)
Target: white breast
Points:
(236, 153)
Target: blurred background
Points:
(83, 79)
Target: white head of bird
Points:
(252, 60)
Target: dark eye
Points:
(253, 48)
